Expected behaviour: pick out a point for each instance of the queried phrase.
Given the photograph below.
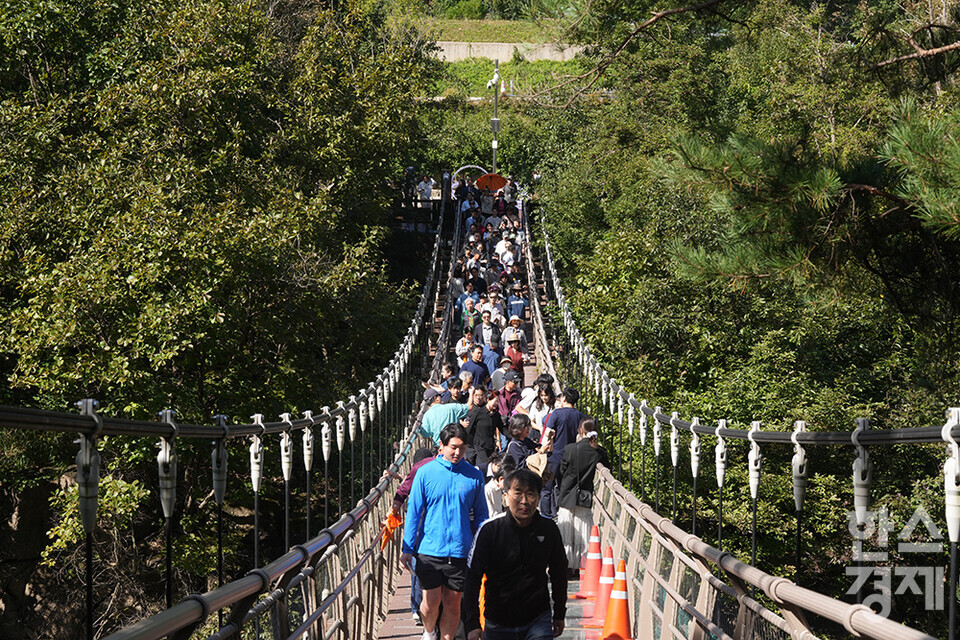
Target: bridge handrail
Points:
(540, 340)
(859, 620)
(194, 609)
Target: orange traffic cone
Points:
(617, 625)
(603, 593)
(591, 575)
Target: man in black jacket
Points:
(515, 550)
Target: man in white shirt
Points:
(508, 257)
(425, 192)
(495, 308)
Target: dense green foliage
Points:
(188, 200)
(760, 227)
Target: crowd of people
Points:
(504, 496)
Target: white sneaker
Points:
(427, 635)
(416, 619)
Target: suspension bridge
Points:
(342, 580)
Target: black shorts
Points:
(436, 572)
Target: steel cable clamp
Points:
(674, 439)
(167, 464)
(862, 473)
(799, 464)
(720, 453)
(88, 466)
(256, 453)
(754, 459)
(286, 448)
(951, 475)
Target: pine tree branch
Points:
(902, 204)
(919, 51)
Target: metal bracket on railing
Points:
(620, 408)
(218, 458)
(720, 451)
(612, 396)
(167, 464)
(88, 466)
(754, 459)
(799, 466)
(286, 448)
(256, 453)
(604, 390)
(362, 410)
(643, 424)
(341, 427)
(694, 447)
(862, 473)
(597, 380)
(951, 475)
(326, 435)
(372, 402)
(352, 419)
(631, 415)
(674, 439)
(380, 393)
(308, 441)
(657, 429)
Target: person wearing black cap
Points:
(509, 395)
(517, 304)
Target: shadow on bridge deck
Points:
(399, 624)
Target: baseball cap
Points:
(430, 394)
(511, 376)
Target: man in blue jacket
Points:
(444, 510)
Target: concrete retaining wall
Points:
(503, 51)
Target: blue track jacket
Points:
(439, 521)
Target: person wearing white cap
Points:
(496, 378)
(514, 331)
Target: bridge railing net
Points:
(679, 586)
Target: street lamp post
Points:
(495, 122)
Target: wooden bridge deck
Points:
(399, 624)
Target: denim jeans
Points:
(416, 593)
(548, 498)
(540, 629)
